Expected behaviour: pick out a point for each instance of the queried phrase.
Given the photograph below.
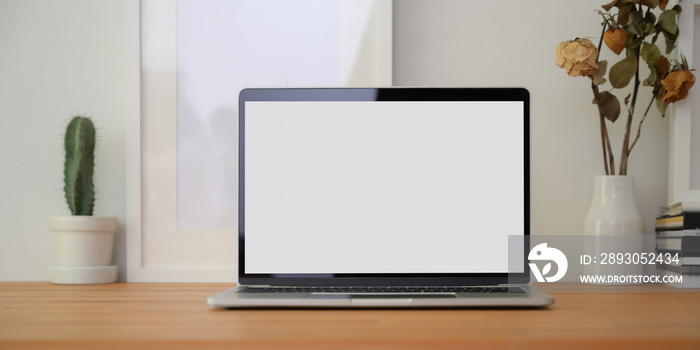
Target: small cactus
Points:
(79, 165)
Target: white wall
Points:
(57, 58)
(62, 57)
(512, 43)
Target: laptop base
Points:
(530, 297)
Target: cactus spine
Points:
(79, 165)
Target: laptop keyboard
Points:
(379, 290)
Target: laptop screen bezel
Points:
(382, 94)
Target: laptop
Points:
(383, 197)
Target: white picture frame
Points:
(157, 251)
(684, 163)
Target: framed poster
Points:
(186, 61)
(684, 167)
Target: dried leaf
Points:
(647, 28)
(633, 29)
(650, 18)
(659, 70)
(650, 53)
(670, 41)
(622, 72)
(662, 66)
(660, 105)
(669, 27)
(598, 75)
(636, 16)
(609, 106)
(667, 20)
(623, 14)
(651, 79)
(617, 3)
(649, 3)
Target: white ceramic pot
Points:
(613, 225)
(82, 249)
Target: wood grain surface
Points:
(176, 316)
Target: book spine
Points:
(685, 221)
(691, 220)
(680, 252)
(677, 233)
(690, 245)
(687, 245)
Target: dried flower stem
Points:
(604, 138)
(626, 140)
(608, 157)
(629, 31)
(639, 127)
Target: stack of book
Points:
(678, 243)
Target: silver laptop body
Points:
(383, 197)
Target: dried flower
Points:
(677, 84)
(615, 39)
(634, 29)
(577, 57)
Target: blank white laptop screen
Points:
(382, 187)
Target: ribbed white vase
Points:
(613, 225)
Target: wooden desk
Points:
(148, 316)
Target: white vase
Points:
(82, 249)
(613, 225)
